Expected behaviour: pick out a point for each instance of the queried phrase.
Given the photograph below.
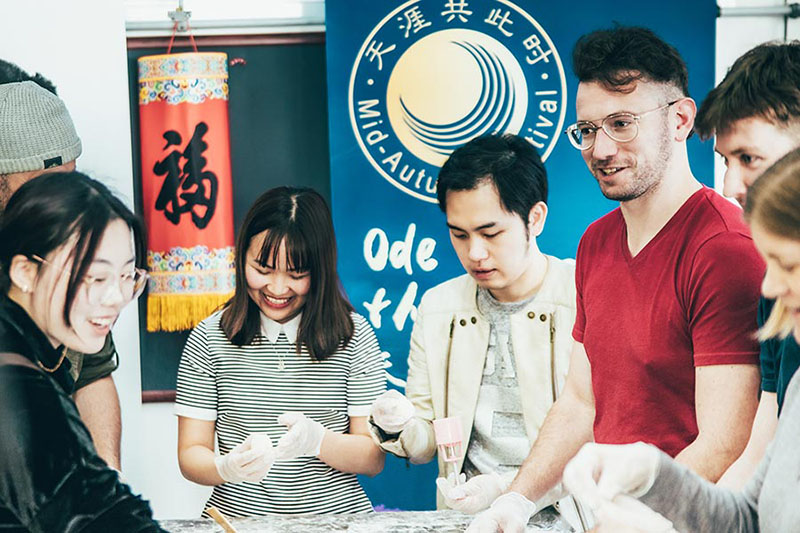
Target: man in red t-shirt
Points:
(667, 285)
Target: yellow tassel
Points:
(178, 312)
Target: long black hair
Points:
(300, 218)
(47, 211)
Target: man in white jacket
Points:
(490, 347)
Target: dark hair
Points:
(508, 161)
(300, 218)
(764, 82)
(11, 73)
(619, 56)
(47, 211)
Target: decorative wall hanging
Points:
(186, 186)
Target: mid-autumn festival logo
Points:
(434, 74)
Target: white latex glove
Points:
(628, 515)
(391, 411)
(249, 460)
(303, 437)
(599, 472)
(471, 496)
(508, 514)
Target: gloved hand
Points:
(303, 437)
(250, 460)
(628, 515)
(471, 496)
(391, 411)
(508, 514)
(599, 472)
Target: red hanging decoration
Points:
(186, 186)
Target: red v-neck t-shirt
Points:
(687, 299)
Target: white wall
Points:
(160, 481)
(81, 47)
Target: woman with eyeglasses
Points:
(608, 477)
(69, 262)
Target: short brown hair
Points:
(764, 82)
(300, 218)
(772, 203)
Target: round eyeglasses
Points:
(620, 127)
(130, 283)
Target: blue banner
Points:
(408, 82)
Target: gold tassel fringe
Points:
(178, 312)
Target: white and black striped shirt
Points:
(244, 389)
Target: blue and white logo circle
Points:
(433, 74)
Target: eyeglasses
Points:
(131, 284)
(620, 127)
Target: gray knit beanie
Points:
(36, 131)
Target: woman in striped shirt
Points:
(286, 361)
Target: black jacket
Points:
(51, 478)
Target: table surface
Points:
(388, 522)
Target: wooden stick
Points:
(221, 520)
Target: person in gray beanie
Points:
(37, 130)
(37, 136)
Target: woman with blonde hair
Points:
(607, 477)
